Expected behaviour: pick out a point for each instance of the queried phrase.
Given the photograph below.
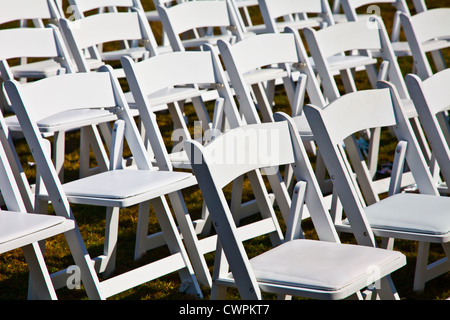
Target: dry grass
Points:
(14, 273)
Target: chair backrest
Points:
(164, 72)
(79, 7)
(88, 32)
(294, 10)
(344, 117)
(419, 5)
(350, 7)
(253, 53)
(330, 41)
(431, 99)
(192, 15)
(240, 151)
(429, 25)
(36, 10)
(33, 43)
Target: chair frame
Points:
(386, 110)
(430, 39)
(108, 93)
(209, 170)
(225, 19)
(366, 41)
(430, 99)
(39, 228)
(196, 76)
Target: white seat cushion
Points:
(40, 69)
(15, 225)
(411, 213)
(322, 265)
(303, 127)
(66, 120)
(122, 184)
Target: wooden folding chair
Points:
(116, 188)
(85, 34)
(174, 79)
(20, 229)
(254, 66)
(48, 43)
(427, 31)
(343, 57)
(431, 98)
(316, 269)
(294, 14)
(418, 217)
(192, 24)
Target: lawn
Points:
(14, 273)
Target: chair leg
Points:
(175, 245)
(219, 292)
(41, 286)
(111, 235)
(142, 230)
(85, 263)
(421, 266)
(58, 153)
(387, 290)
(190, 239)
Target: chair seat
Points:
(66, 120)
(198, 42)
(411, 213)
(401, 48)
(18, 229)
(159, 99)
(338, 63)
(37, 70)
(409, 108)
(133, 53)
(350, 61)
(262, 75)
(325, 266)
(436, 44)
(303, 127)
(298, 24)
(126, 187)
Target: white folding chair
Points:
(191, 24)
(418, 217)
(431, 99)
(114, 189)
(79, 8)
(39, 12)
(20, 229)
(173, 79)
(427, 31)
(323, 269)
(294, 14)
(401, 48)
(47, 43)
(331, 58)
(83, 36)
(254, 65)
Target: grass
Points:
(91, 221)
